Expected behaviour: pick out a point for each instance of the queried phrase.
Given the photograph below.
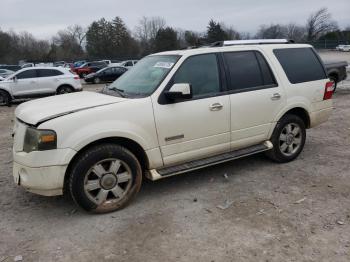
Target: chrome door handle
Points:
(216, 107)
(276, 96)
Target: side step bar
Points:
(209, 161)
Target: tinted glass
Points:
(201, 72)
(300, 64)
(128, 63)
(27, 74)
(48, 72)
(108, 71)
(244, 70)
(266, 72)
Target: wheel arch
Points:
(5, 90)
(62, 85)
(300, 112)
(129, 144)
(334, 75)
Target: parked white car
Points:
(174, 112)
(128, 63)
(36, 82)
(344, 48)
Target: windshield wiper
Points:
(119, 91)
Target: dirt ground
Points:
(298, 211)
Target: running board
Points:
(197, 164)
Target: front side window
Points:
(145, 77)
(201, 72)
(27, 74)
(300, 64)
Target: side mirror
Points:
(14, 79)
(179, 91)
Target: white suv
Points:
(173, 112)
(38, 81)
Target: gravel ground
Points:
(299, 211)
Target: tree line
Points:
(104, 39)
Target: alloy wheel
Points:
(108, 181)
(290, 139)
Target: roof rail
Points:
(251, 42)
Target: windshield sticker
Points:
(164, 65)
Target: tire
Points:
(105, 178)
(64, 90)
(97, 80)
(5, 99)
(288, 139)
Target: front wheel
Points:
(5, 98)
(105, 178)
(288, 139)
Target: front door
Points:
(25, 83)
(198, 127)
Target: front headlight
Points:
(39, 140)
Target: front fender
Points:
(132, 119)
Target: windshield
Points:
(144, 77)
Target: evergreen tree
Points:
(166, 39)
(215, 32)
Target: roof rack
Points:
(251, 42)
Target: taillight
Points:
(76, 77)
(328, 91)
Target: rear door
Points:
(255, 97)
(48, 80)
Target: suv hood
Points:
(44, 109)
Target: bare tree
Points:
(78, 33)
(295, 32)
(272, 31)
(232, 34)
(319, 23)
(148, 28)
(146, 33)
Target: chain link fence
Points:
(326, 43)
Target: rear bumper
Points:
(320, 116)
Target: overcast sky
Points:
(43, 18)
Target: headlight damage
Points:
(39, 140)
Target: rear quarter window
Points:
(300, 64)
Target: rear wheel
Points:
(105, 178)
(64, 90)
(288, 139)
(5, 98)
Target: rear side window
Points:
(248, 70)
(27, 74)
(48, 72)
(300, 64)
